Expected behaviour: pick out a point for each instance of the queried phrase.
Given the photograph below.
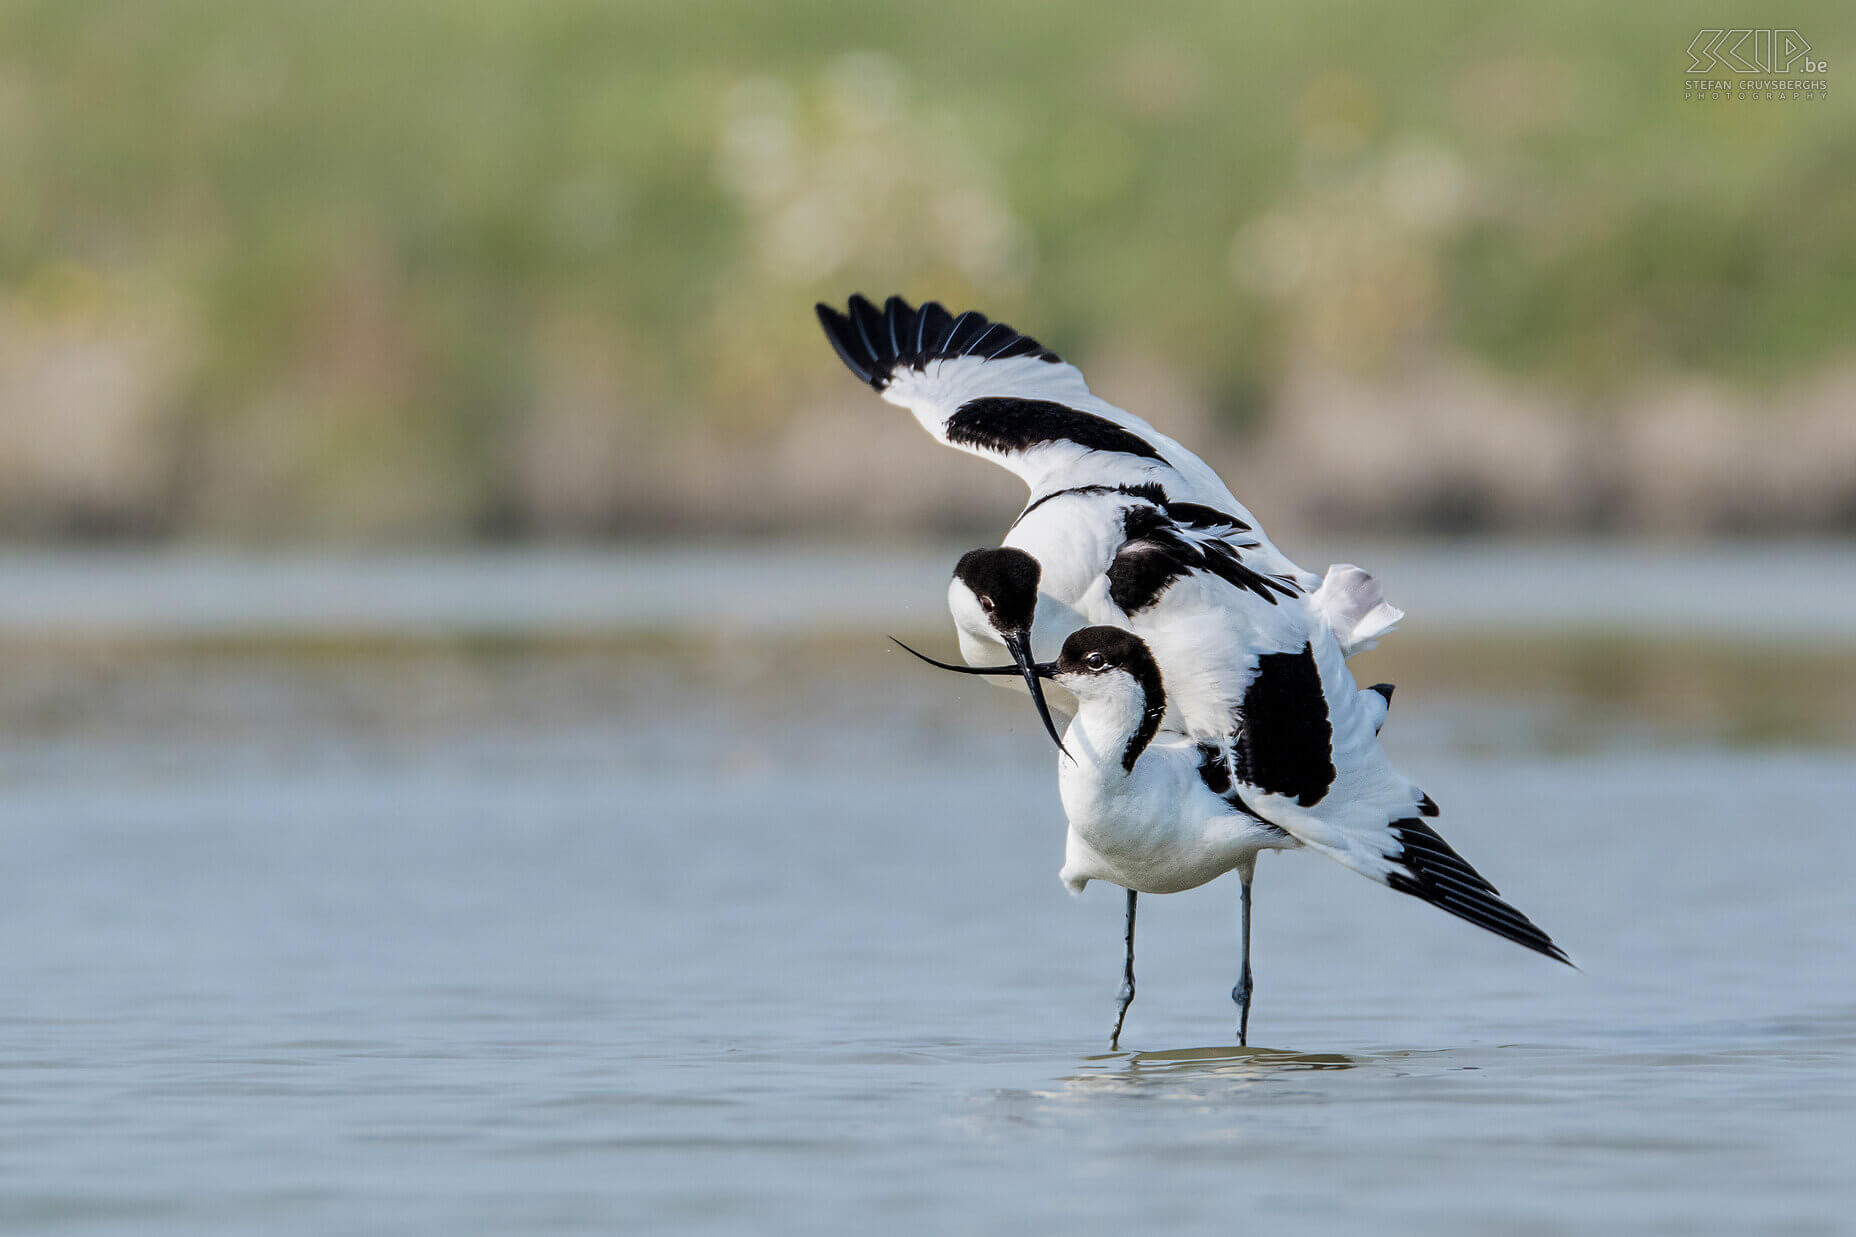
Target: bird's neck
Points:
(1074, 537)
(1113, 729)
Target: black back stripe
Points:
(1148, 490)
(1155, 553)
(1443, 878)
(874, 343)
(1191, 515)
(1285, 744)
(1009, 426)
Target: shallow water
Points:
(732, 937)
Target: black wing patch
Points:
(1285, 745)
(1155, 553)
(1441, 877)
(873, 343)
(1215, 772)
(996, 423)
(1197, 515)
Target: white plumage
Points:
(1259, 737)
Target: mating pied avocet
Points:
(1126, 527)
(1099, 478)
(1159, 812)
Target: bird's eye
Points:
(986, 604)
(1095, 661)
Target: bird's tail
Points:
(1433, 872)
(1356, 608)
(1409, 856)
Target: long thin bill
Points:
(1033, 671)
(999, 670)
(1020, 645)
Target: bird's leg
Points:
(1127, 980)
(1241, 993)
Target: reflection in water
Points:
(1225, 1058)
(1195, 1073)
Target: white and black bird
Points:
(1099, 477)
(1126, 527)
(1159, 812)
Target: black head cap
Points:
(1006, 582)
(1104, 650)
(1098, 650)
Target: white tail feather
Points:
(1356, 608)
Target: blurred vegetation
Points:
(433, 270)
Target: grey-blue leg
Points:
(1241, 993)
(1127, 980)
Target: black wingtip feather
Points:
(901, 320)
(844, 342)
(873, 343)
(1442, 877)
(870, 326)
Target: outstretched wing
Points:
(984, 388)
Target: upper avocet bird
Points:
(1098, 476)
(1127, 527)
(1159, 812)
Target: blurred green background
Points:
(438, 272)
(453, 773)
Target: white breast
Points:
(1157, 830)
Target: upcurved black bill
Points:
(951, 666)
(1034, 671)
(1020, 645)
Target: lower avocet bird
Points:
(1158, 812)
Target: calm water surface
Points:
(736, 939)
